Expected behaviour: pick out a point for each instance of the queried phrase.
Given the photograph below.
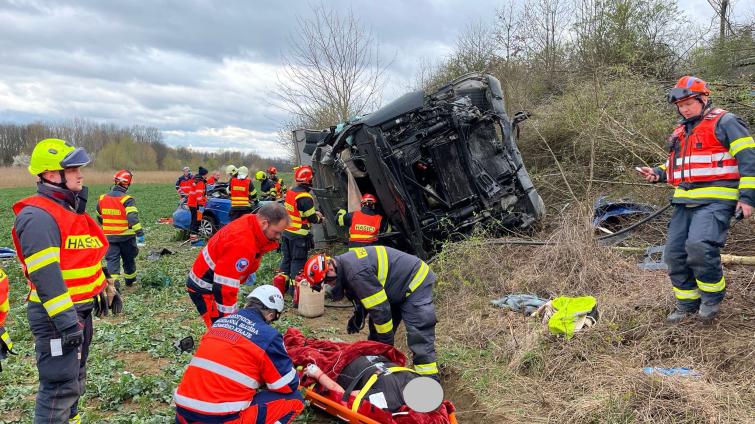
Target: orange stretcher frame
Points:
(339, 411)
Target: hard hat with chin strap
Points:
(260, 175)
(53, 154)
(123, 177)
(243, 172)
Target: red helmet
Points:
(123, 177)
(304, 174)
(368, 199)
(316, 269)
(687, 87)
(272, 170)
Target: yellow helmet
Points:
(260, 175)
(243, 172)
(53, 154)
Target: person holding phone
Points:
(711, 162)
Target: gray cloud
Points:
(202, 71)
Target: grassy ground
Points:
(497, 367)
(133, 367)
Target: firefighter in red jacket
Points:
(196, 201)
(6, 344)
(365, 224)
(711, 162)
(184, 183)
(60, 248)
(296, 240)
(242, 192)
(231, 255)
(241, 372)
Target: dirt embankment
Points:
(514, 371)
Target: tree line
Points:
(137, 148)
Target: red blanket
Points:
(332, 357)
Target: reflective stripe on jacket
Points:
(185, 186)
(239, 189)
(299, 218)
(4, 304)
(83, 245)
(364, 228)
(196, 196)
(230, 256)
(238, 355)
(114, 215)
(379, 277)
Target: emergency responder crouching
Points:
(231, 255)
(296, 240)
(390, 286)
(241, 372)
(711, 162)
(365, 224)
(242, 192)
(60, 248)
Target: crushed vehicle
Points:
(215, 215)
(439, 164)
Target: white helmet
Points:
(269, 295)
(230, 170)
(243, 172)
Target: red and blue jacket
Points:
(238, 356)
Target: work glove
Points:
(73, 337)
(356, 322)
(115, 302)
(140, 241)
(101, 305)
(109, 299)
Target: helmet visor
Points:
(678, 94)
(76, 158)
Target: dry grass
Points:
(19, 177)
(521, 374)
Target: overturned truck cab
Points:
(438, 163)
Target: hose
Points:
(601, 238)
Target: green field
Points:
(134, 367)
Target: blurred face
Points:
(74, 179)
(691, 107)
(186, 173)
(331, 275)
(273, 232)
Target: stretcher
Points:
(320, 362)
(343, 413)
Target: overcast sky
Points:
(200, 71)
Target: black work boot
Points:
(678, 315)
(708, 313)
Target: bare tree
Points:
(333, 69)
(509, 34)
(548, 21)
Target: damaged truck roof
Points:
(439, 164)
